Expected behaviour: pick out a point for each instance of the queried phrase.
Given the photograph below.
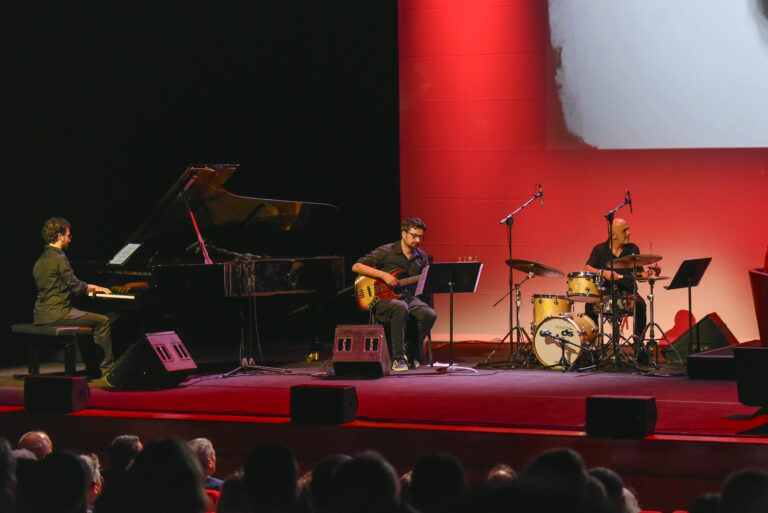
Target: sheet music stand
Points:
(689, 275)
(450, 278)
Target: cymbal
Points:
(653, 278)
(639, 260)
(537, 268)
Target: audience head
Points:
(7, 477)
(630, 501)
(500, 474)
(558, 477)
(707, 503)
(165, 478)
(614, 488)
(94, 482)
(36, 441)
(438, 484)
(321, 491)
(203, 450)
(62, 478)
(234, 496)
(745, 491)
(271, 474)
(366, 483)
(123, 451)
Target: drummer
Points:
(600, 261)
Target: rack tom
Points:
(584, 287)
(545, 305)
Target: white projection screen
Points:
(662, 73)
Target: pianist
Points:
(56, 284)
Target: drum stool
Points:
(42, 334)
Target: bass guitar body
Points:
(369, 291)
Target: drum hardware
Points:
(518, 351)
(651, 341)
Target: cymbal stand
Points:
(522, 354)
(652, 342)
(518, 355)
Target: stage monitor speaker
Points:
(55, 394)
(316, 404)
(360, 351)
(711, 333)
(157, 360)
(751, 378)
(613, 416)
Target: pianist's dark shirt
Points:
(390, 257)
(56, 282)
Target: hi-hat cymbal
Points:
(639, 260)
(537, 268)
(653, 278)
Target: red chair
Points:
(213, 496)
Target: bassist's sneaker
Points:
(399, 365)
(415, 364)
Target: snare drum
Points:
(584, 287)
(578, 329)
(625, 304)
(545, 305)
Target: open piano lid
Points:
(259, 226)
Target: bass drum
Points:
(546, 305)
(577, 329)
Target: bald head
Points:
(36, 441)
(620, 232)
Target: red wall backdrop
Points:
(476, 131)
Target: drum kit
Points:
(566, 340)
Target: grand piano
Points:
(202, 243)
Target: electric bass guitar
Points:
(370, 291)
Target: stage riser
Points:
(667, 474)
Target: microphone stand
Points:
(615, 335)
(514, 321)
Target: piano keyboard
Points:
(101, 295)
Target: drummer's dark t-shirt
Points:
(600, 258)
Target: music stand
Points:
(450, 278)
(689, 275)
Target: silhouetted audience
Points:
(203, 450)
(62, 478)
(707, 503)
(558, 479)
(366, 483)
(500, 473)
(36, 441)
(94, 483)
(745, 491)
(438, 484)
(234, 496)
(122, 452)
(7, 477)
(614, 488)
(321, 486)
(165, 478)
(271, 474)
(26, 487)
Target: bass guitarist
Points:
(403, 258)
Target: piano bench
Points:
(43, 334)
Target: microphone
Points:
(541, 195)
(546, 333)
(628, 199)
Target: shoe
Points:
(399, 365)
(415, 364)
